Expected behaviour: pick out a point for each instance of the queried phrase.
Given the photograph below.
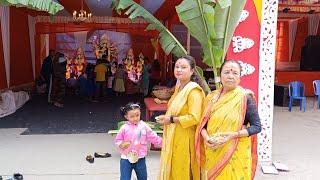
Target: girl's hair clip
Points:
(135, 105)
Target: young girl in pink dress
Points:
(132, 141)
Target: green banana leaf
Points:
(44, 5)
(212, 24)
(198, 17)
(168, 41)
(227, 15)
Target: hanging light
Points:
(82, 15)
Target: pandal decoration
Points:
(76, 66)
(103, 46)
(140, 63)
(133, 69)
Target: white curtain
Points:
(5, 29)
(313, 23)
(80, 38)
(44, 46)
(293, 24)
(31, 23)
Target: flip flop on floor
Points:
(101, 155)
(17, 176)
(90, 159)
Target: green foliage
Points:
(44, 5)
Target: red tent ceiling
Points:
(159, 8)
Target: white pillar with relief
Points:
(266, 76)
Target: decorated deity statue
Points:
(104, 46)
(129, 61)
(140, 63)
(112, 52)
(76, 65)
(133, 69)
(68, 67)
(130, 55)
(79, 62)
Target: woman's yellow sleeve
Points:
(194, 102)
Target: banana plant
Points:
(168, 41)
(212, 23)
(44, 5)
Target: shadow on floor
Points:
(79, 116)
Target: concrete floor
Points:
(62, 156)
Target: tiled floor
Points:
(50, 146)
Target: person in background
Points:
(119, 78)
(155, 73)
(146, 76)
(111, 73)
(91, 86)
(101, 75)
(86, 82)
(47, 70)
(59, 85)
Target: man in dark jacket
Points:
(59, 85)
(47, 69)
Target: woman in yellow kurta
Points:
(225, 146)
(178, 160)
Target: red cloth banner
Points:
(251, 55)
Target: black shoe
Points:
(102, 155)
(17, 176)
(90, 159)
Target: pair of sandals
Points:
(90, 158)
(16, 176)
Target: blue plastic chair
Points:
(316, 89)
(296, 92)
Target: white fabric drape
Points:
(5, 29)
(80, 38)
(293, 24)
(11, 101)
(44, 46)
(313, 23)
(31, 23)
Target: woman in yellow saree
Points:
(178, 158)
(225, 147)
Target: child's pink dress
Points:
(139, 135)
